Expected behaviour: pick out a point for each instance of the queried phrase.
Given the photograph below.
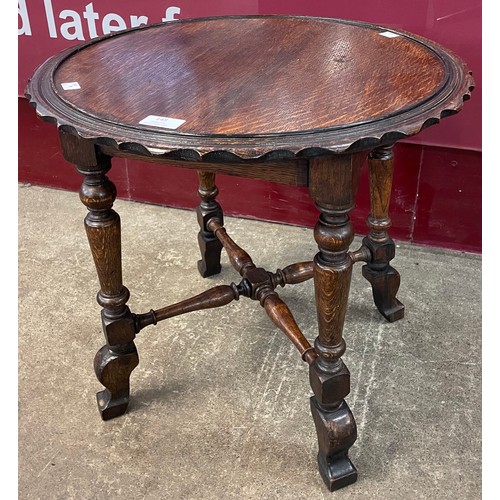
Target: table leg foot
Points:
(113, 370)
(210, 249)
(114, 363)
(383, 277)
(385, 285)
(336, 434)
(332, 269)
(210, 246)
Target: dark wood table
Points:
(297, 100)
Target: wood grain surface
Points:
(261, 76)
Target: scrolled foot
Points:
(385, 285)
(337, 432)
(113, 370)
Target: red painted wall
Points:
(437, 186)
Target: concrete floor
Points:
(219, 405)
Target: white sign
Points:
(162, 121)
(70, 86)
(389, 34)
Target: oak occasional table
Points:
(297, 100)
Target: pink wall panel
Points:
(449, 203)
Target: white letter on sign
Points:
(91, 18)
(49, 14)
(137, 21)
(170, 14)
(22, 11)
(107, 27)
(75, 25)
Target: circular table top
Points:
(251, 86)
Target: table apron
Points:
(293, 172)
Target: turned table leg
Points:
(210, 246)
(115, 361)
(332, 185)
(383, 277)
